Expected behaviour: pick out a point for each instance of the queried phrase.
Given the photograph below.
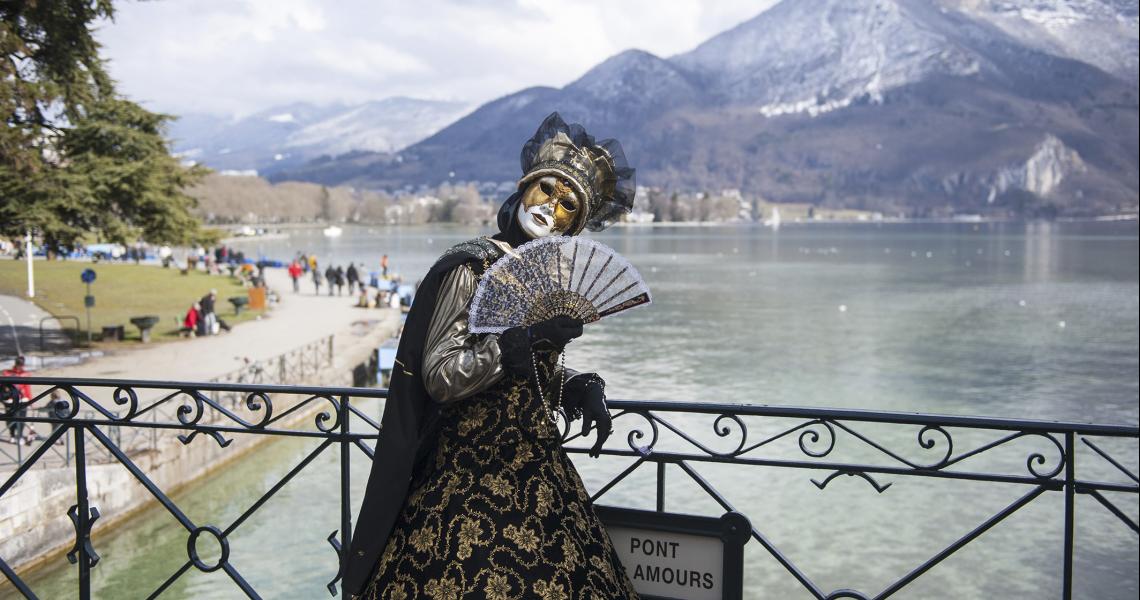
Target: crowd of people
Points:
(201, 318)
(372, 289)
(211, 259)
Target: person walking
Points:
(295, 275)
(16, 400)
(330, 277)
(339, 280)
(384, 266)
(353, 277)
(316, 276)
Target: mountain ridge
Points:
(286, 136)
(899, 105)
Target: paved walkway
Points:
(297, 320)
(20, 328)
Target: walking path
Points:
(20, 327)
(46, 490)
(297, 320)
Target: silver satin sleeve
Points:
(458, 363)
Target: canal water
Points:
(1020, 320)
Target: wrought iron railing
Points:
(299, 364)
(287, 367)
(1040, 457)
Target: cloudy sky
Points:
(235, 57)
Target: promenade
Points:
(20, 325)
(297, 320)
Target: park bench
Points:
(114, 333)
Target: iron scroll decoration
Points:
(817, 439)
(674, 434)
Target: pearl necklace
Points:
(550, 411)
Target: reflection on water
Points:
(1018, 320)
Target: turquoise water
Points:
(1017, 320)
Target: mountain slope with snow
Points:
(1103, 33)
(288, 136)
(817, 55)
(918, 106)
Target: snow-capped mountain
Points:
(1104, 33)
(819, 55)
(287, 136)
(899, 105)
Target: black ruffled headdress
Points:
(598, 171)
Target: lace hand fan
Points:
(552, 276)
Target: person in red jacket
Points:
(17, 406)
(190, 322)
(295, 272)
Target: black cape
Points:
(408, 429)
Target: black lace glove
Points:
(515, 343)
(556, 332)
(585, 394)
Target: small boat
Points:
(773, 222)
(332, 231)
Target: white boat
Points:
(773, 222)
(332, 231)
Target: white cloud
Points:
(237, 57)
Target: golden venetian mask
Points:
(549, 207)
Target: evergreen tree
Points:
(326, 205)
(75, 158)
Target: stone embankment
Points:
(33, 514)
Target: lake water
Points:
(1035, 320)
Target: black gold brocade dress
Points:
(501, 512)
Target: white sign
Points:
(671, 565)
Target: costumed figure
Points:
(471, 493)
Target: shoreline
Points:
(299, 321)
(281, 228)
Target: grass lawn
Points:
(121, 291)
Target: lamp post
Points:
(31, 273)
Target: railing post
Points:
(281, 370)
(345, 492)
(330, 342)
(1070, 508)
(82, 525)
(660, 487)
